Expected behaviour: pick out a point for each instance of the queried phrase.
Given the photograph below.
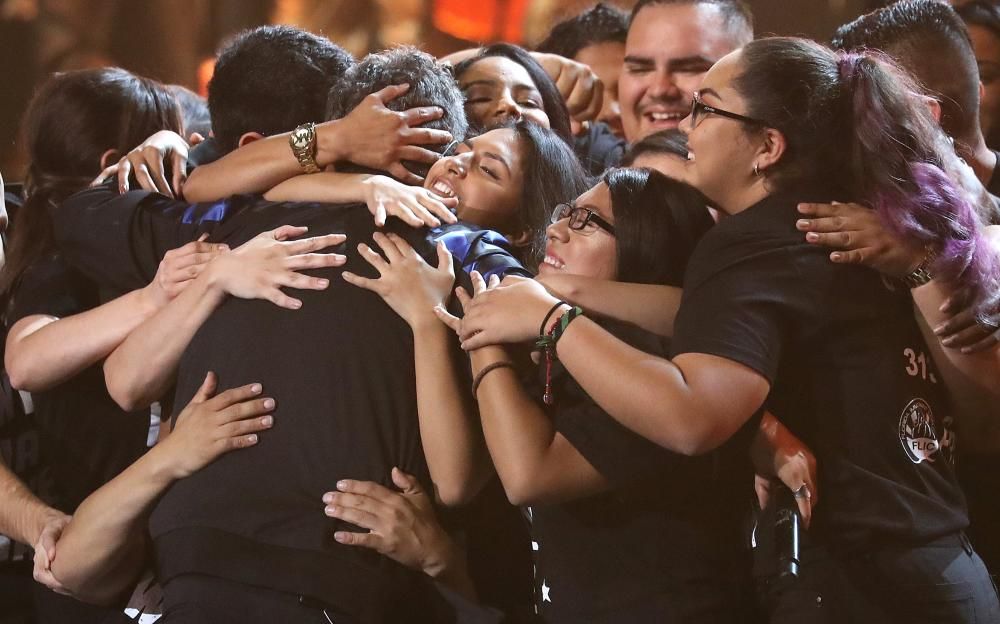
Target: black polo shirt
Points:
(850, 373)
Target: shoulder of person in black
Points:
(598, 148)
(832, 340)
(635, 466)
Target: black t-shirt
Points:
(84, 437)
(851, 375)
(664, 544)
(599, 149)
(341, 370)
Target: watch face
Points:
(300, 138)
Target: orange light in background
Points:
(485, 20)
(205, 70)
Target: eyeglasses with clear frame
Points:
(699, 109)
(582, 220)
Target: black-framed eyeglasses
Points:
(699, 109)
(581, 219)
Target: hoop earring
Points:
(756, 170)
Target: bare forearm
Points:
(689, 407)
(449, 429)
(971, 379)
(649, 306)
(536, 464)
(142, 368)
(101, 550)
(22, 514)
(259, 166)
(326, 186)
(42, 352)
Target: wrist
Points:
(161, 464)
(38, 516)
(427, 323)
(329, 143)
(443, 561)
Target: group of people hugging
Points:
(658, 323)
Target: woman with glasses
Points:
(622, 530)
(834, 349)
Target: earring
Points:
(756, 170)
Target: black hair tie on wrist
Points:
(548, 315)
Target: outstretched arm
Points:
(102, 549)
(44, 351)
(448, 425)
(689, 405)
(141, 370)
(652, 307)
(371, 135)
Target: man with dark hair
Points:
(928, 39)
(595, 38)
(245, 539)
(982, 19)
(670, 46)
(269, 80)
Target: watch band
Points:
(302, 140)
(920, 275)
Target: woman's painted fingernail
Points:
(256, 388)
(812, 237)
(267, 421)
(268, 403)
(328, 497)
(802, 224)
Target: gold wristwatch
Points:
(921, 275)
(302, 140)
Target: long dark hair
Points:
(72, 120)
(856, 129)
(552, 175)
(552, 100)
(658, 222)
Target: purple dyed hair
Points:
(855, 127)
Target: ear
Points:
(109, 158)
(934, 106)
(520, 239)
(249, 138)
(771, 149)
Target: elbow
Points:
(521, 489)
(22, 377)
(454, 495)
(124, 391)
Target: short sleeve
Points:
(743, 312)
(619, 454)
(49, 287)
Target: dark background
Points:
(173, 40)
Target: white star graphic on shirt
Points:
(545, 593)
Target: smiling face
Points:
(498, 90)
(668, 50)
(721, 152)
(591, 252)
(486, 175)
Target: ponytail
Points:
(857, 129)
(908, 172)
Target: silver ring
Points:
(802, 492)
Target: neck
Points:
(741, 199)
(980, 157)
